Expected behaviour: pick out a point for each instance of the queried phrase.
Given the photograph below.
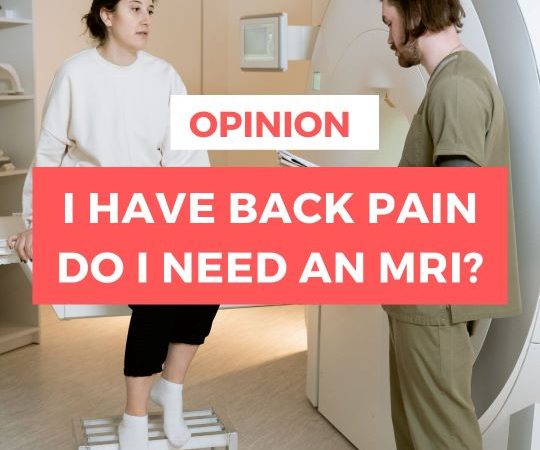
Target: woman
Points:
(109, 106)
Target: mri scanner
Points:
(347, 377)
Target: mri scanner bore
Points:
(347, 346)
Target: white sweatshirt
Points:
(100, 114)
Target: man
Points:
(461, 122)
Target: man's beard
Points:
(409, 55)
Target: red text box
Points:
(328, 235)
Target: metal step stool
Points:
(207, 432)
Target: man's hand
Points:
(22, 244)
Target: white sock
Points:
(168, 395)
(133, 432)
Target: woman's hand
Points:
(22, 244)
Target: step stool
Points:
(207, 432)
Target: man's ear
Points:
(416, 16)
(105, 15)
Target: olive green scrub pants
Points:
(430, 385)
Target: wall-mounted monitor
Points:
(263, 42)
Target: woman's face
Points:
(129, 25)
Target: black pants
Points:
(153, 327)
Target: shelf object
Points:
(6, 22)
(15, 98)
(14, 335)
(13, 173)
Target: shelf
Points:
(15, 98)
(12, 173)
(13, 336)
(19, 318)
(10, 225)
(6, 23)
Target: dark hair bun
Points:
(94, 24)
